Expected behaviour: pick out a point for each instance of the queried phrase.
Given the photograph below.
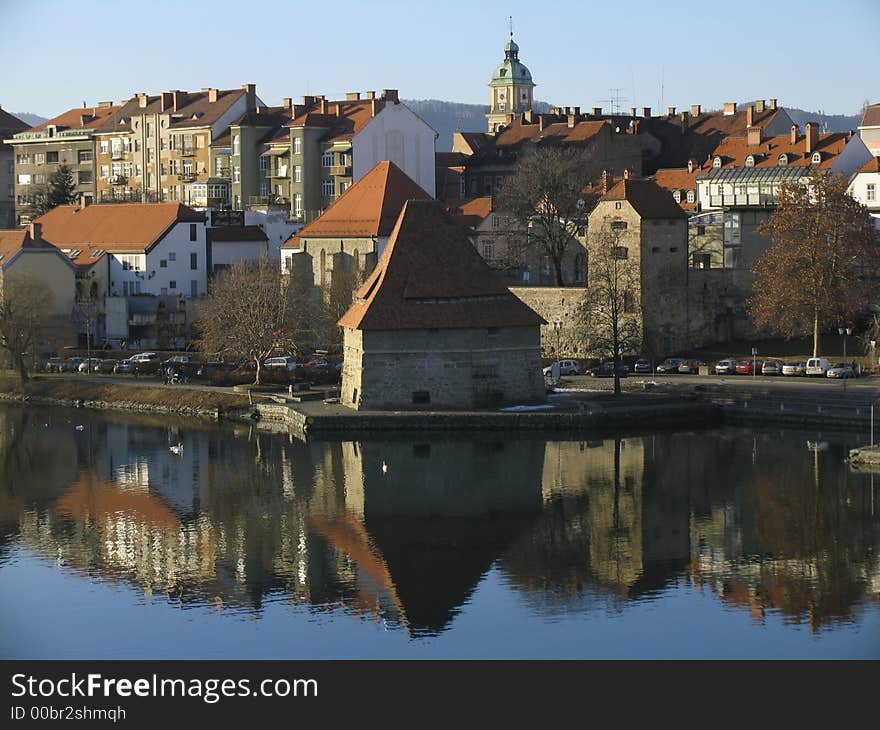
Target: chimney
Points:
(338, 110)
(794, 133)
(626, 174)
(35, 231)
(84, 200)
(143, 100)
(390, 95)
(632, 111)
(812, 137)
(353, 96)
(729, 108)
(691, 166)
(213, 95)
(309, 100)
(597, 111)
(528, 118)
(683, 118)
(754, 136)
(372, 106)
(607, 181)
(165, 101)
(696, 110)
(572, 120)
(646, 112)
(671, 111)
(576, 110)
(322, 105)
(178, 100)
(541, 122)
(371, 94)
(750, 116)
(773, 105)
(251, 91)
(760, 106)
(105, 104)
(287, 102)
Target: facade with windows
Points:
(865, 187)
(9, 126)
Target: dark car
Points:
(669, 365)
(691, 366)
(606, 370)
(642, 366)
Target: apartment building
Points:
(68, 139)
(865, 187)
(155, 147)
(9, 126)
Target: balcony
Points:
(742, 200)
(282, 171)
(341, 170)
(118, 153)
(118, 180)
(186, 151)
(141, 320)
(186, 177)
(276, 201)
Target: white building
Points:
(865, 187)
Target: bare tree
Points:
(610, 313)
(253, 311)
(821, 268)
(546, 195)
(25, 304)
(87, 311)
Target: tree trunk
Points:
(22, 370)
(816, 333)
(257, 363)
(616, 361)
(557, 265)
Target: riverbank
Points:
(144, 396)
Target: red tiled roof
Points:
(734, 150)
(472, 212)
(115, 227)
(647, 197)
(520, 131)
(431, 277)
(195, 109)
(13, 241)
(80, 118)
(368, 208)
(871, 117)
(681, 180)
(872, 165)
(353, 116)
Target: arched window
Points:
(676, 195)
(816, 158)
(783, 160)
(716, 162)
(691, 196)
(750, 161)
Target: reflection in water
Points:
(759, 520)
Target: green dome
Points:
(511, 71)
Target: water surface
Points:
(726, 543)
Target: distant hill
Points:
(27, 117)
(448, 116)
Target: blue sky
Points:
(809, 54)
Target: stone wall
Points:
(443, 368)
(563, 335)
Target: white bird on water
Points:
(80, 428)
(178, 449)
(384, 467)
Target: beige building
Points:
(9, 126)
(433, 327)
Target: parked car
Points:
(670, 365)
(71, 365)
(179, 360)
(725, 367)
(642, 366)
(285, 361)
(566, 367)
(123, 367)
(107, 366)
(746, 367)
(817, 366)
(794, 368)
(89, 366)
(772, 367)
(53, 364)
(145, 357)
(606, 370)
(841, 370)
(691, 366)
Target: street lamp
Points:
(557, 328)
(844, 331)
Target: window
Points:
(193, 232)
(629, 303)
(172, 167)
(104, 146)
(297, 145)
(138, 171)
(870, 192)
(84, 177)
(676, 196)
(580, 268)
(716, 162)
(194, 261)
(673, 249)
(783, 160)
(702, 261)
(264, 163)
(750, 161)
(488, 250)
(39, 179)
(218, 166)
(655, 249)
(327, 188)
(84, 156)
(327, 159)
(172, 284)
(150, 154)
(264, 188)
(617, 206)
(298, 204)
(236, 174)
(701, 230)
(149, 129)
(690, 196)
(621, 253)
(163, 263)
(39, 158)
(51, 158)
(24, 179)
(236, 144)
(618, 225)
(172, 256)
(816, 158)
(297, 173)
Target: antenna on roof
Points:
(614, 101)
(510, 19)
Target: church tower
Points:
(511, 88)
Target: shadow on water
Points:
(405, 530)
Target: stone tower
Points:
(511, 88)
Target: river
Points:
(133, 536)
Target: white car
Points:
(89, 366)
(794, 368)
(282, 362)
(566, 367)
(841, 370)
(149, 357)
(817, 366)
(726, 367)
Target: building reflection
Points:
(403, 530)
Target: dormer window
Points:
(783, 160)
(676, 196)
(750, 161)
(816, 158)
(690, 196)
(716, 162)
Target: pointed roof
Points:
(431, 277)
(370, 207)
(647, 197)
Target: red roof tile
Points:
(472, 212)
(871, 117)
(80, 118)
(114, 227)
(431, 277)
(647, 197)
(872, 165)
(734, 150)
(368, 208)
(682, 180)
(13, 241)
